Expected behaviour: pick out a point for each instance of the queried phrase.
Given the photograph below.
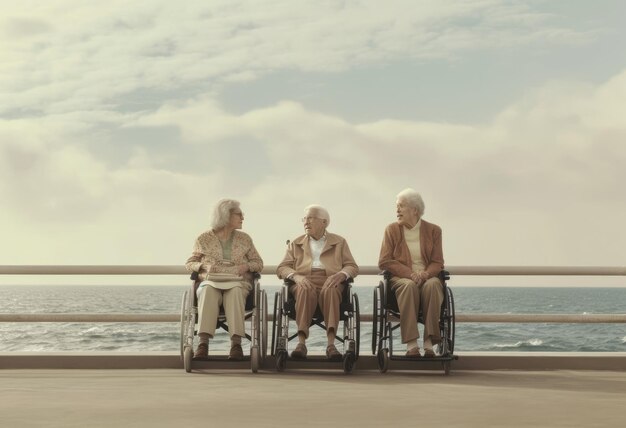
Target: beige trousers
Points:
(307, 301)
(411, 298)
(234, 302)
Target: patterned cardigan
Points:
(207, 253)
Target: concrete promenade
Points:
(311, 398)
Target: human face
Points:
(406, 215)
(236, 219)
(313, 225)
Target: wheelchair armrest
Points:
(195, 275)
(444, 275)
(386, 274)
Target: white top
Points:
(412, 238)
(316, 251)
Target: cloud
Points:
(114, 142)
(72, 56)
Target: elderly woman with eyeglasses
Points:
(223, 250)
(318, 262)
(412, 252)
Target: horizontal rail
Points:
(271, 270)
(461, 318)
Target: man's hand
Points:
(303, 282)
(333, 281)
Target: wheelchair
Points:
(255, 316)
(386, 319)
(349, 315)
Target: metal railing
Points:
(271, 270)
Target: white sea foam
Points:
(36, 337)
(531, 342)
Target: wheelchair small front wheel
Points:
(255, 356)
(348, 362)
(281, 360)
(188, 355)
(383, 360)
(446, 367)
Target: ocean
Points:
(134, 337)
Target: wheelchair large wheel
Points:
(447, 323)
(188, 355)
(357, 318)
(264, 325)
(383, 360)
(378, 319)
(276, 323)
(375, 316)
(183, 323)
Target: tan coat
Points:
(335, 257)
(395, 256)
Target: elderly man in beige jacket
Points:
(319, 263)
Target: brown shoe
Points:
(236, 353)
(300, 352)
(413, 353)
(202, 352)
(429, 353)
(332, 353)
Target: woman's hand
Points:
(207, 267)
(419, 277)
(242, 269)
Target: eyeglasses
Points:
(307, 219)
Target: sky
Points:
(122, 123)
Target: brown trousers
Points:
(307, 301)
(411, 298)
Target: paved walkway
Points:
(172, 398)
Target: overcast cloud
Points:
(122, 123)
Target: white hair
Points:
(319, 211)
(221, 213)
(413, 199)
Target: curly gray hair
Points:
(222, 211)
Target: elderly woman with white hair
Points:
(412, 252)
(223, 250)
(319, 263)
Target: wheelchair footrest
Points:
(437, 359)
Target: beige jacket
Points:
(335, 257)
(395, 256)
(207, 250)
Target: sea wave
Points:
(520, 344)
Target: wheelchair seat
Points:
(255, 314)
(385, 321)
(285, 311)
